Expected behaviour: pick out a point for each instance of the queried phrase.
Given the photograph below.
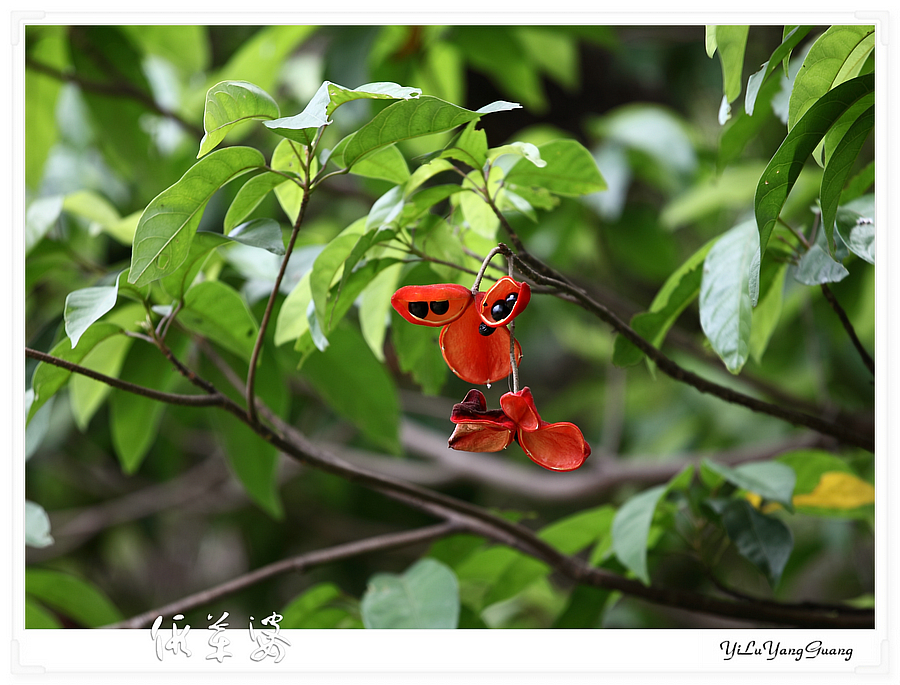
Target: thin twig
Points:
(298, 563)
(845, 321)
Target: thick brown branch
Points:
(299, 564)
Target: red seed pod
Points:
(504, 301)
(432, 305)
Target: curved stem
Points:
(845, 321)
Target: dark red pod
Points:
(504, 301)
(432, 305)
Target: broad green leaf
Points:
(725, 305)
(87, 395)
(421, 201)
(585, 608)
(250, 195)
(856, 226)
(782, 52)
(425, 596)
(291, 322)
(827, 486)
(787, 163)
(578, 531)
(425, 172)
(254, 464)
(38, 425)
(185, 47)
(37, 617)
(92, 206)
(518, 149)
(349, 378)
(770, 480)
(731, 190)
(747, 126)
(37, 526)
(519, 574)
(42, 92)
(385, 209)
(388, 164)
(765, 541)
(679, 290)
(570, 170)
(731, 42)
(321, 606)
(816, 267)
(328, 267)
(133, 419)
(404, 120)
(375, 308)
(216, 311)
(837, 56)
(479, 217)
(48, 379)
(631, 525)
(710, 40)
(766, 314)
(71, 596)
(227, 104)
(302, 127)
(40, 216)
(473, 143)
(262, 233)
(85, 306)
(838, 168)
(164, 234)
(419, 355)
(178, 282)
(860, 183)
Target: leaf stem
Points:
(848, 326)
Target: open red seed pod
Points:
(432, 305)
(503, 302)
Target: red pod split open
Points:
(504, 302)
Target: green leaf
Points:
(166, 229)
(763, 540)
(178, 282)
(87, 395)
(518, 149)
(328, 267)
(479, 217)
(749, 125)
(48, 379)
(262, 233)
(767, 313)
(291, 322)
(92, 206)
(856, 226)
(37, 617)
(216, 311)
(227, 104)
(782, 52)
(787, 163)
(40, 216)
(71, 596)
(288, 159)
(679, 290)
(388, 164)
(357, 386)
(570, 170)
(816, 266)
(250, 195)
(838, 168)
(837, 56)
(585, 608)
(38, 425)
(37, 526)
(404, 120)
(426, 596)
(631, 525)
(827, 486)
(375, 308)
(731, 42)
(85, 306)
(321, 606)
(768, 479)
(725, 303)
(578, 531)
(303, 127)
(133, 419)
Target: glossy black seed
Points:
(440, 307)
(511, 299)
(418, 309)
(500, 310)
(484, 329)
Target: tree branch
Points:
(479, 521)
(845, 320)
(541, 273)
(298, 563)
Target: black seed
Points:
(418, 309)
(500, 310)
(511, 299)
(484, 329)
(440, 307)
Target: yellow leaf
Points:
(838, 490)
